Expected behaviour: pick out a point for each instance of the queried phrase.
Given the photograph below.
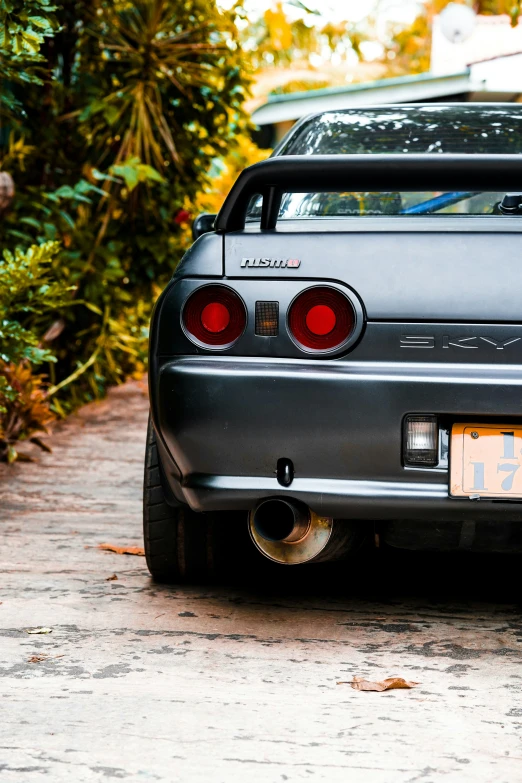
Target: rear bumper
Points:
(225, 421)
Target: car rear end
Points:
(357, 365)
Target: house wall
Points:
(493, 36)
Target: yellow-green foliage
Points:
(29, 296)
(411, 45)
(24, 409)
(225, 171)
(28, 292)
(109, 130)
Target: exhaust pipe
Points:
(287, 531)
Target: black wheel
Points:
(180, 544)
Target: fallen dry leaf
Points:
(111, 578)
(38, 630)
(39, 657)
(392, 683)
(123, 550)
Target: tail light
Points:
(321, 319)
(214, 316)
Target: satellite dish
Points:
(457, 22)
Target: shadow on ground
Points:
(388, 574)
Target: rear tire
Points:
(182, 545)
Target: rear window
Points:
(397, 130)
(342, 205)
(420, 129)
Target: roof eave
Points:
(409, 89)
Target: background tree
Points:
(112, 113)
(409, 49)
(303, 44)
(24, 26)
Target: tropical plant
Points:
(113, 112)
(24, 26)
(29, 296)
(24, 410)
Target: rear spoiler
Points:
(338, 173)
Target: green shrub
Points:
(30, 297)
(112, 112)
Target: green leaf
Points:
(40, 21)
(85, 187)
(31, 42)
(129, 173)
(65, 192)
(146, 172)
(30, 221)
(39, 355)
(91, 109)
(68, 219)
(111, 114)
(6, 43)
(134, 171)
(90, 306)
(100, 176)
(18, 44)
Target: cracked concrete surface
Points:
(236, 682)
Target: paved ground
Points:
(235, 683)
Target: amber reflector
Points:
(267, 319)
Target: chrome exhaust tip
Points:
(287, 531)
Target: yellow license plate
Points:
(486, 461)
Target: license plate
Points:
(486, 461)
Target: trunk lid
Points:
(457, 269)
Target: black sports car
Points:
(339, 355)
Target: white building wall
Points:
(501, 75)
(493, 36)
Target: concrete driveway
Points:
(238, 682)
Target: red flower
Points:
(182, 216)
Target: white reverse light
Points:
(421, 441)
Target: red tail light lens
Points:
(321, 319)
(214, 316)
